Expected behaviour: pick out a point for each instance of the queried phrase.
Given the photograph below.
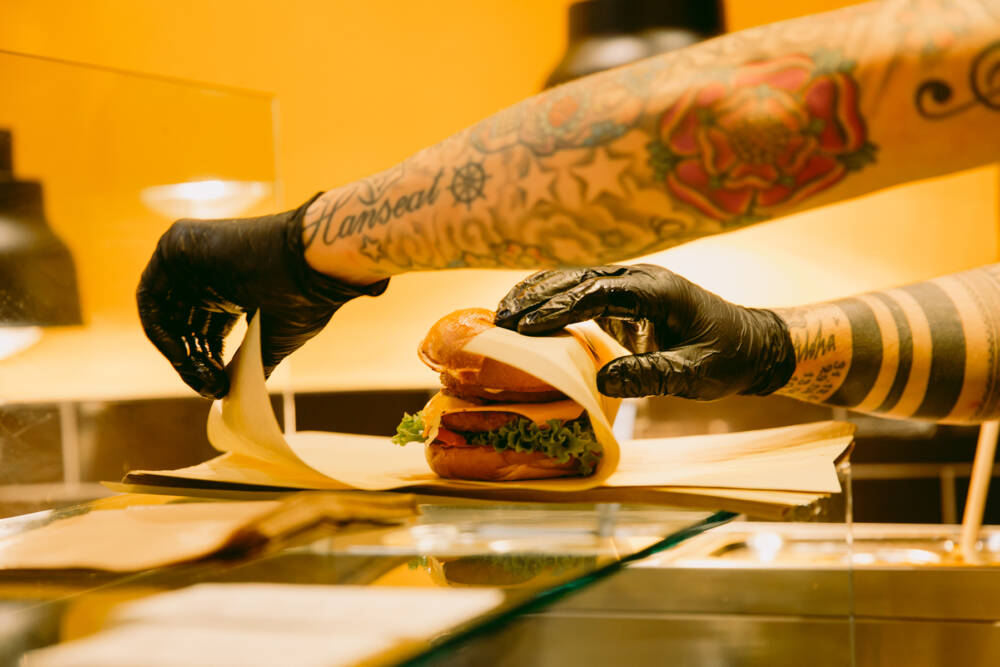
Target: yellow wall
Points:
(361, 85)
(96, 139)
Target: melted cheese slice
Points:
(442, 404)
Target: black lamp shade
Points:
(37, 275)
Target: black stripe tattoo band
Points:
(905, 353)
(866, 354)
(947, 372)
(984, 289)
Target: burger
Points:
(504, 570)
(491, 421)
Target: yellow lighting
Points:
(204, 199)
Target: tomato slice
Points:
(450, 438)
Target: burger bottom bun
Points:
(473, 571)
(468, 390)
(487, 464)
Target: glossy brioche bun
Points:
(489, 465)
(471, 375)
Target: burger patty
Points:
(469, 391)
(477, 421)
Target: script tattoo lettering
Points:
(815, 386)
(813, 346)
(934, 97)
(378, 209)
(814, 331)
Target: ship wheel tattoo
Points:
(468, 182)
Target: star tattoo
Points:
(372, 249)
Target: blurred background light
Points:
(15, 339)
(214, 198)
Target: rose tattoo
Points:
(764, 134)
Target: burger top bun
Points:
(466, 374)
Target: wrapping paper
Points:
(255, 452)
(244, 426)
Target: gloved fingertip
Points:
(505, 318)
(535, 324)
(610, 380)
(217, 387)
(210, 382)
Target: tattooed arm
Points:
(730, 132)
(930, 350)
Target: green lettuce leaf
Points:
(411, 429)
(574, 439)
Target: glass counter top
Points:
(534, 554)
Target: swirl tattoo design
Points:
(933, 97)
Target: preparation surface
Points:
(524, 555)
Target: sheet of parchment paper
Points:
(243, 423)
(796, 458)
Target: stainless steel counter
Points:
(779, 594)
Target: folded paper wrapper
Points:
(149, 536)
(779, 467)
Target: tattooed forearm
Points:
(929, 350)
(710, 138)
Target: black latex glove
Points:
(204, 274)
(686, 341)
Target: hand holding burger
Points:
(685, 340)
(492, 421)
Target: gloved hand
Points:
(204, 274)
(687, 341)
